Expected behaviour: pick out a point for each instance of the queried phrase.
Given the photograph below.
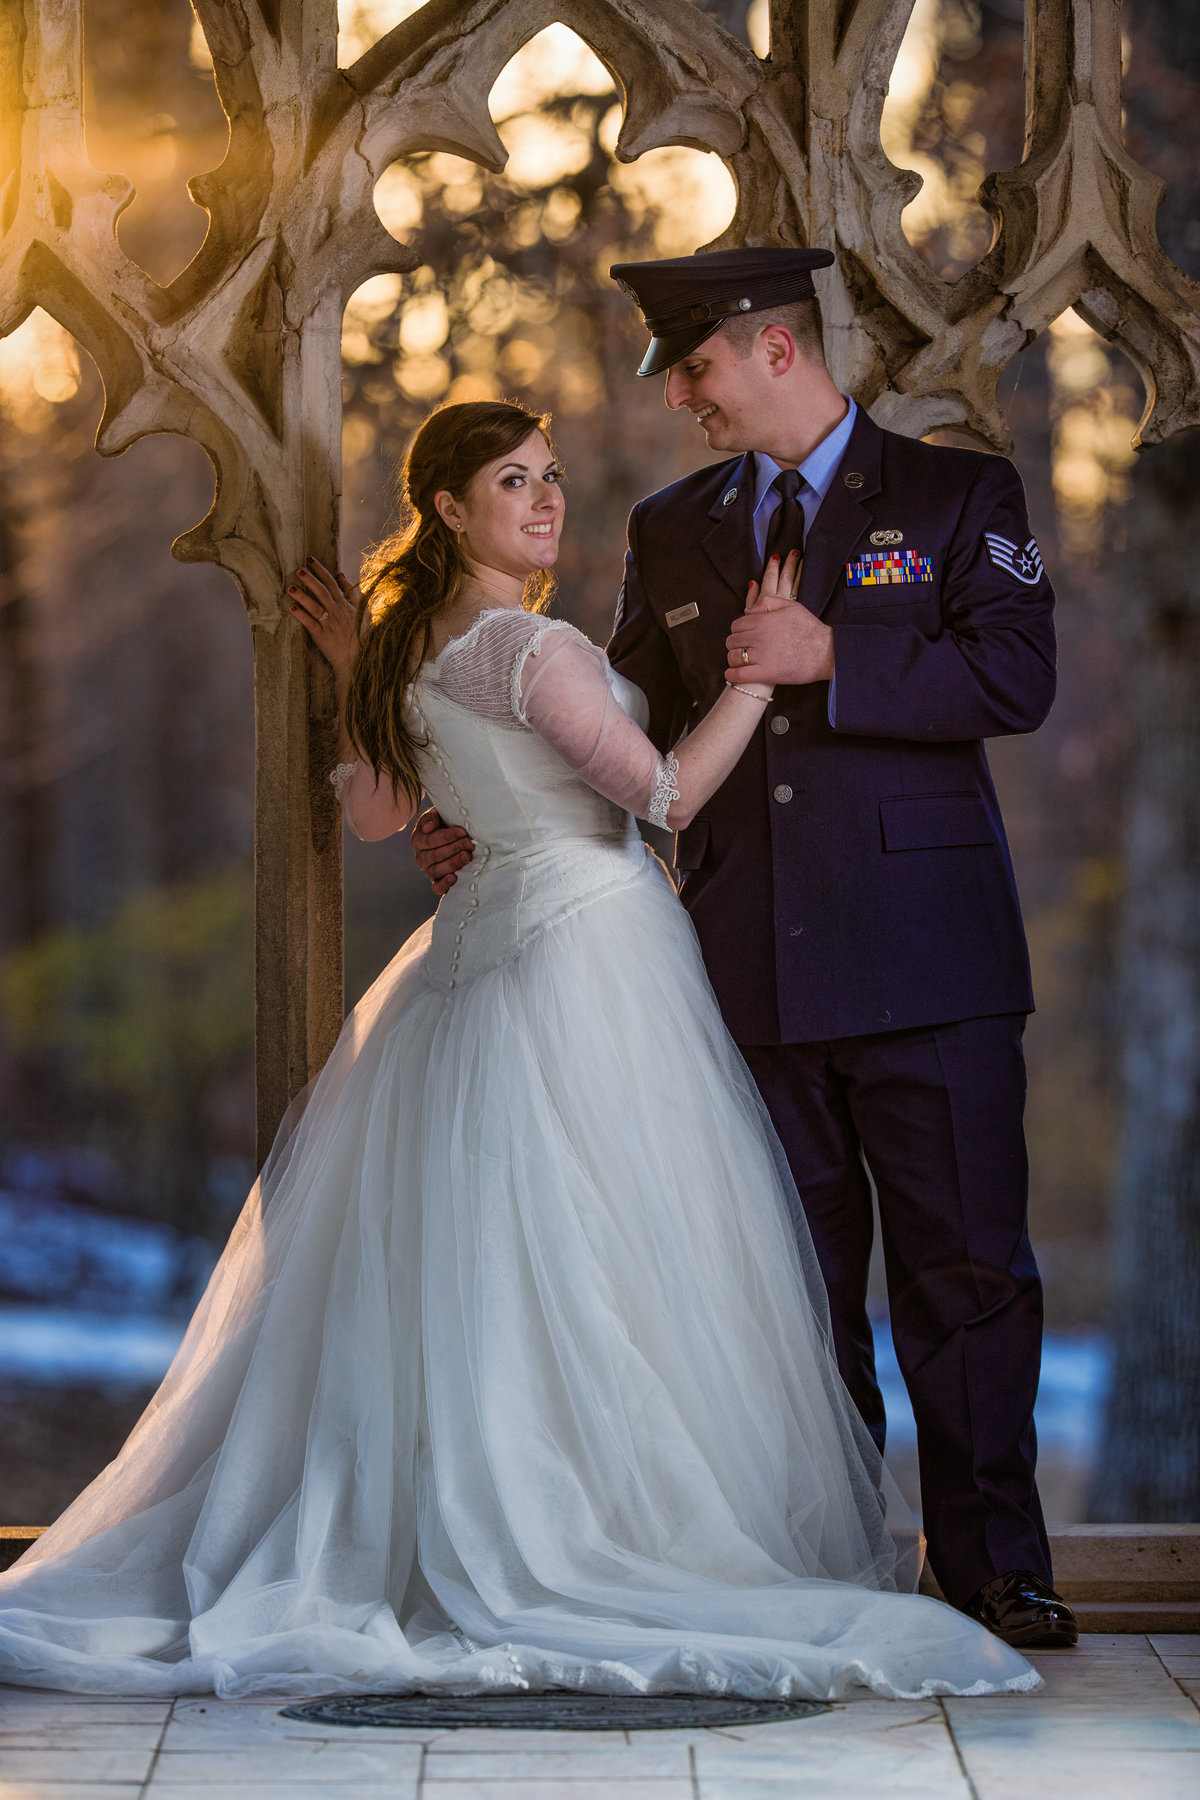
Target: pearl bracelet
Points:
(738, 689)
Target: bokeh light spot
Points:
(39, 369)
(368, 307)
(554, 62)
(424, 324)
(542, 148)
(399, 201)
(1094, 410)
(690, 193)
(362, 23)
(924, 112)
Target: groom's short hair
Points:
(801, 317)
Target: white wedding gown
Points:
(511, 1375)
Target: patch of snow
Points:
(59, 1346)
(1076, 1371)
(57, 1251)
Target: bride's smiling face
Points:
(511, 514)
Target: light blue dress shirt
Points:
(818, 471)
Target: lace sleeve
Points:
(665, 791)
(341, 776)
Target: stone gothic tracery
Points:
(241, 351)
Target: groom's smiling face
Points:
(731, 392)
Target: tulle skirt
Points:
(515, 1373)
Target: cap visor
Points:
(675, 345)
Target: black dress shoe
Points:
(1021, 1609)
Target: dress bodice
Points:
(545, 841)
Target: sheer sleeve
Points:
(370, 808)
(534, 674)
(560, 689)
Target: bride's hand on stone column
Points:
(327, 607)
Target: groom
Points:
(850, 883)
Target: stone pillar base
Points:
(1124, 1577)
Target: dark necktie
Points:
(786, 530)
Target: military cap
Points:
(684, 299)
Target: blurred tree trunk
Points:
(1149, 1465)
(28, 850)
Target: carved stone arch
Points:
(681, 78)
(241, 350)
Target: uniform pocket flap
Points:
(691, 845)
(934, 822)
(908, 593)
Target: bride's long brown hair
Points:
(414, 576)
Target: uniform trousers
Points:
(936, 1114)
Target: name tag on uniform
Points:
(885, 568)
(682, 614)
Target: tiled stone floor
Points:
(1119, 1719)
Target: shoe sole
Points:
(1040, 1637)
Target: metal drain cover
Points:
(548, 1712)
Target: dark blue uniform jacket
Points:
(854, 879)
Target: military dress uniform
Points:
(853, 894)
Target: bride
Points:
(512, 1374)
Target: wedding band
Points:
(745, 656)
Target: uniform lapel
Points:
(729, 540)
(843, 516)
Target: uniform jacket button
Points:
(783, 793)
(779, 724)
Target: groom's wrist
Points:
(815, 661)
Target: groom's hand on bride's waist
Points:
(441, 850)
(781, 642)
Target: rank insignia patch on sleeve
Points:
(1025, 564)
(886, 568)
